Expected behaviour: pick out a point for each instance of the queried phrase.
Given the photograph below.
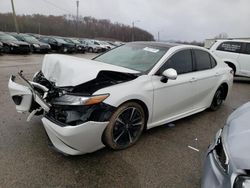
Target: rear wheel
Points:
(125, 127)
(218, 99)
(91, 50)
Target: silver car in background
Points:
(228, 160)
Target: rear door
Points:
(244, 60)
(206, 78)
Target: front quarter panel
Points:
(138, 89)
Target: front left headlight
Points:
(36, 45)
(242, 182)
(13, 44)
(75, 100)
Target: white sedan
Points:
(109, 101)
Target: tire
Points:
(32, 49)
(6, 49)
(91, 50)
(218, 99)
(125, 127)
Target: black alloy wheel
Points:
(218, 99)
(125, 126)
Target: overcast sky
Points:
(174, 19)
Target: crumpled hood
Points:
(71, 71)
(238, 137)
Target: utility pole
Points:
(158, 36)
(39, 28)
(14, 16)
(77, 17)
(133, 29)
(133, 26)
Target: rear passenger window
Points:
(247, 51)
(181, 62)
(202, 60)
(230, 47)
(213, 61)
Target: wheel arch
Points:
(225, 87)
(143, 105)
(233, 64)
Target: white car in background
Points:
(236, 53)
(109, 101)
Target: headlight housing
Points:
(74, 100)
(220, 155)
(36, 45)
(242, 182)
(13, 44)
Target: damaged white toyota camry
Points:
(109, 100)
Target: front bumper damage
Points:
(76, 139)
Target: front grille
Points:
(24, 48)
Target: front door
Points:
(174, 98)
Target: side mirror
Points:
(169, 74)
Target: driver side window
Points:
(181, 62)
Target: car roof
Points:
(156, 44)
(168, 45)
(232, 40)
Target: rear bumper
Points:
(75, 140)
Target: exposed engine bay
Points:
(75, 105)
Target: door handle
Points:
(193, 79)
(217, 74)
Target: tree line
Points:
(66, 25)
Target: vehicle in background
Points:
(35, 45)
(227, 163)
(79, 46)
(109, 100)
(37, 36)
(112, 44)
(59, 45)
(107, 45)
(1, 47)
(91, 46)
(236, 53)
(12, 45)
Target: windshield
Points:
(75, 41)
(60, 40)
(30, 39)
(140, 57)
(7, 38)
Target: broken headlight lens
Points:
(74, 100)
(242, 182)
(221, 155)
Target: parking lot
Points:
(161, 158)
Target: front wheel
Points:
(125, 127)
(218, 99)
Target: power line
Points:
(55, 5)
